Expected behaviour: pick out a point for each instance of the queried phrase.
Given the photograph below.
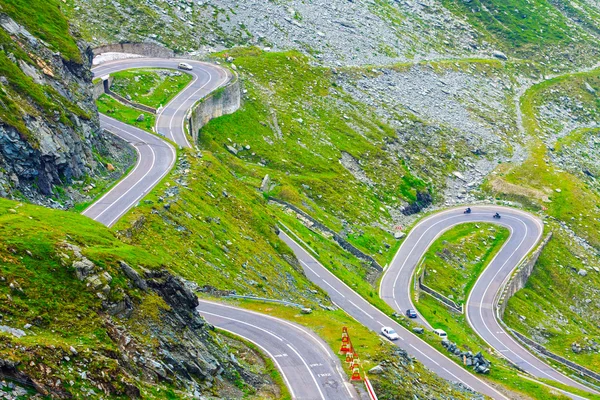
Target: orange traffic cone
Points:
(346, 345)
(349, 357)
(355, 362)
(356, 375)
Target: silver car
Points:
(389, 333)
(185, 66)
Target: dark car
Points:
(410, 313)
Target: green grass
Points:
(519, 25)
(22, 96)
(463, 245)
(151, 87)
(45, 20)
(456, 259)
(41, 289)
(371, 348)
(113, 108)
(297, 130)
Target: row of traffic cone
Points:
(351, 356)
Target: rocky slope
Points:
(84, 316)
(49, 131)
(364, 32)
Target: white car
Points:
(389, 333)
(441, 333)
(185, 66)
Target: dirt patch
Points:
(501, 186)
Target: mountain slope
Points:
(49, 132)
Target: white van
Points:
(441, 333)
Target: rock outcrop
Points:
(51, 135)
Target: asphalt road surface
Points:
(361, 310)
(155, 156)
(309, 367)
(525, 232)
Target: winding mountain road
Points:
(308, 366)
(156, 157)
(525, 232)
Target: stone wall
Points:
(338, 239)
(519, 279)
(223, 101)
(144, 49)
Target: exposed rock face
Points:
(54, 137)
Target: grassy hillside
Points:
(531, 28)
(71, 343)
(558, 306)
(45, 20)
(151, 87)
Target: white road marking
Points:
(309, 371)
(244, 323)
(458, 379)
(425, 355)
(366, 313)
(329, 284)
(285, 378)
(139, 181)
(311, 270)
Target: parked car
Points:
(410, 313)
(441, 333)
(389, 333)
(185, 66)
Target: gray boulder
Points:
(132, 274)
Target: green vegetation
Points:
(41, 289)
(520, 25)
(115, 109)
(372, 350)
(151, 87)
(45, 20)
(456, 259)
(23, 96)
(297, 129)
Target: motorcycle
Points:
(497, 216)
(467, 211)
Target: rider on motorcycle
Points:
(468, 210)
(497, 215)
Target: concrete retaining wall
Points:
(519, 279)
(144, 49)
(338, 239)
(123, 100)
(223, 101)
(542, 350)
(438, 296)
(102, 86)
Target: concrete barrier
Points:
(337, 238)
(143, 49)
(544, 352)
(518, 280)
(223, 101)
